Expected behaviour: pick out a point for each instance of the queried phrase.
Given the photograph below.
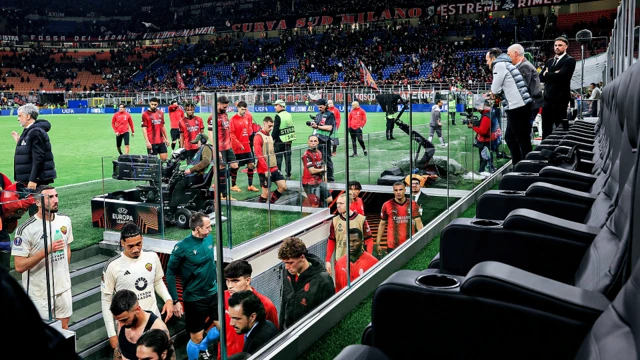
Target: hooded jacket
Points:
(507, 79)
(300, 297)
(33, 159)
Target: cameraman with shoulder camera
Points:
(323, 125)
(485, 136)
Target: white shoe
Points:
(444, 145)
(485, 173)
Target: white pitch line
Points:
(82, 183)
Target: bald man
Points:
(531, 78)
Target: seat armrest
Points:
(497, 204)
(581, 145)
(522, 181)
(499, 281)
(530, 166)
(361, 352)
(546, 190)
(535, 221)
(560, 173)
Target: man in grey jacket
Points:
(531, 78)
(509, 84)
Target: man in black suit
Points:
(248, 317)
(557, 91)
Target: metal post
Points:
(218, 228)
(631, 32)
(582, 102)
(46, 239)
(346, 185)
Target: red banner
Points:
(180, 81)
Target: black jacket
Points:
(261, 334)
(313, 287)
(557, 85)
(33, 159)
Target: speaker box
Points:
(396, 171)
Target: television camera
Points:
(469, 118)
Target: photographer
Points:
(486, 136)
(323, 124)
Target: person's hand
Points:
(545, 71)
(327, 266)
(379, 248)
(469, 125)
(113, 341)
(241, 147)
(334, 153)
(187, 172)
(132, 134)
(32, 185)
(177, 310)
(167, 309)
(15, 136)
(167, 142)
(148, 145)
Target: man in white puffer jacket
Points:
(509, 84)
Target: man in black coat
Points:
(33, 160)
(248, 316)
(557, 87)
(388, 103)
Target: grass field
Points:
(82, 143)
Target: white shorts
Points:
(61, 306)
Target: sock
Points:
(119, 151)
(262, 200)
(442, 140)
(250, 175)
(275, 196)
(173, 146)
(430, 138)
(193, 350)
(210, 337)
(234, 176)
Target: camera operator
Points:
(388, 103)
(507, 79)
(323, 125)
(485, 136)
(194, 174)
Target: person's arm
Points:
(499, 73)
(113, 123)
(368, 237)
(161, 289)
(364, 118)
(275, 133)
(415, 214)
(173, 268)
(564, 74)
(331, 246)
(163, 131)
(207, 155)
(257, 149)
(144, 131)
(485, 126)
(183, 129)
(108, 287)
(130, 120)
(37, 155)
(382, 227)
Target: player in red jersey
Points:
(359, 260)
(241, 131)
(238, 277)
(268, 172)
(357, 121)
(336, 140)
(224, 145)
(399, 215)
(190, 126)
(175, 115)
(155, 134)
(313, 174)
(355, 202)
(121, 122)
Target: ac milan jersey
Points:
(190, 128)
(357, 206)
(235, 341)
(311, 159)
(224, 133)
(154, 123)
(241, 129)
(399, 223)
(364, 263)
(175, 115)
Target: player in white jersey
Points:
(135, 270)
(28, 251)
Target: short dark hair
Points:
(593, 84)
(292, 247)
(223, 99)
(250, 304)
(563, 39)
(494, 52)
(158, 340)
(123, 300)
(355, 184)
(399, 183)
(267, 119)
(129, 230)
(174, 102)
(242, 103)
(196, 220)
(123, 105)
(42, 188)
(189, 104)
(237, 269)
(357, 232)
(154, 99)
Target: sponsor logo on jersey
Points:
(63, 230)
(304, 301)
(148, 266)
(195, 252)
(127, 272)
(141, 284)
(307, 287)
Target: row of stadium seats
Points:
(549, 272)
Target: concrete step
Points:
(87, 269)
(86, 319)
(86, 293)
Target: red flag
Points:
(366, 77)
(180, 81)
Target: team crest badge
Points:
(307, 287)
(148, 266)
(63, 230)
(17, 241)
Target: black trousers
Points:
(518, 134)
(390, 124)
(325, 149)
(553, 113)
(356, 134)
(283, 150)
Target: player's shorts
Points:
(201, 313)
(228, 156)
(437, 130)
(61, 306)
(245, 158)
(276, 175)
(320, 190)
(125, 137)
(157, 149)
(175, 134)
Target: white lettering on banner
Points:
(68, 111)
(298, 108)
(121, 216)
(261, 109)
